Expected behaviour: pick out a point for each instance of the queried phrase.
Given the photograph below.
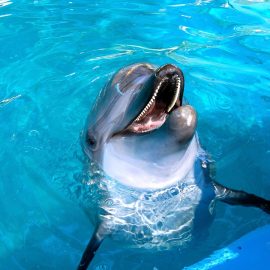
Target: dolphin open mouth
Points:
(166, 96)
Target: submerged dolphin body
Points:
(142, 137)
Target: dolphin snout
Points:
(174, 76)
(169, 71)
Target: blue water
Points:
(54, 58)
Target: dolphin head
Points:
(139, 125)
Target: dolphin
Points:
(141, 137)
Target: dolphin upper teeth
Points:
(151, 101)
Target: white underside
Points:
(141, 174)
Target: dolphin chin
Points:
(154, 170)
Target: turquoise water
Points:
(54, 58)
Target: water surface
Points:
(54, 58)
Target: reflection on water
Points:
(54, 58)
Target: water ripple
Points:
(254, 30)
(55, 56)
(110, 56)
(8, 100)
(4, 3)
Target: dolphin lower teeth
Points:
(177, 92)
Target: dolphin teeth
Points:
(177, 92)
(150, 103)
(146, 108)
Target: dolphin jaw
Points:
(165, 98)
(151, 101)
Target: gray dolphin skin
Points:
(141, 135)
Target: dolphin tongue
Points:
(148, 124)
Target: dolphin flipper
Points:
(92, 246)
(236, 197)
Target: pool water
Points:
(55, 56)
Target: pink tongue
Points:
(148, 125)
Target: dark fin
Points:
(235, 197)
(92, 246)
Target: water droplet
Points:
(204, 165)
(174, 191)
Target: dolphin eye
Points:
(91, 141)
